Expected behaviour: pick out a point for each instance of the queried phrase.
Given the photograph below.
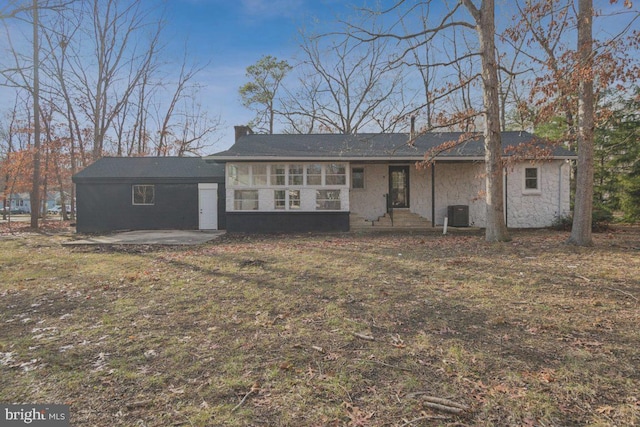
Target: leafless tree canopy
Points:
(100, 65)
(96, 86)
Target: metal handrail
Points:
(389, 207)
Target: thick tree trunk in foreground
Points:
(581, 229)
(496, 230)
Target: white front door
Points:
(208, 206)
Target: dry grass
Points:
(316, 330)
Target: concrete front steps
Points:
(403, 219)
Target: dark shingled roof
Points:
(368, 146)
(150, 168)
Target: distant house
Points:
(147, 193)
(21, 202)
(328, 182)
(324, 182)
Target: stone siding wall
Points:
(369, 202)
(538, 208)
(463, 183)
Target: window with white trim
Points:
(278, 173)
(280, 199)
(259, 175)
(143, 194)
(531, 179)
(336, 174)
(286, 199)
(314, 174)
(294, 199)
(328, 200)
(296, 175)
(245, 200)
(357, 178)
(239, 174)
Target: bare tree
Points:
(17, 76)
(455, 17)
(191, 127)
(124, 42)
(55, 67)
(35, 188)
(7, 134)
(547, 23)
(194, 127)
(484, 18)
(347, 87)
(422, 51)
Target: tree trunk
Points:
(581, 229)
(35, 188)
(496, 229)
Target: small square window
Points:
(531, 179)
(357, 178)
(143, 194)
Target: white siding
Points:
(532, 209)
(463, 183)
(369, 202)
(456, 183)
(460, 184)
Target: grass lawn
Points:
(325, 330)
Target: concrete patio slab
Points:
(151, 237)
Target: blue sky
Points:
(232, 35)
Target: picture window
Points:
(328, 200)
(245, 200)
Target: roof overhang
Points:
(365, 159)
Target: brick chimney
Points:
(412, 135)
(242, 131)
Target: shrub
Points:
(562, 223)
(600, 219)
(630, 198)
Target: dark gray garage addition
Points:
(150, 193)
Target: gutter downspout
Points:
(506, 198)
(433, 194)
(560, 213)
